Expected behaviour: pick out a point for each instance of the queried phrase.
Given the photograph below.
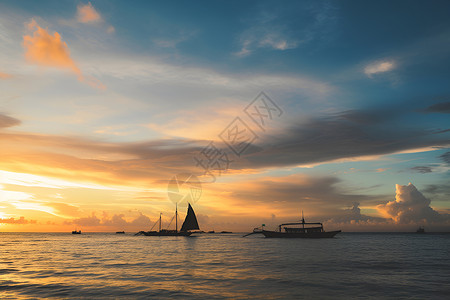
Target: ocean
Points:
(218, 266)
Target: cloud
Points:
(446, 157)
(422, 169)
(6, 121)
(270, 30)
(410, 206)
(21, 220)
(329, 138)
(353, 216)
(443, 108)
(45, 49)
(5, 75)
(117, 221)
(379, 67)
(86, 13)
(92, 220)
(335, 137)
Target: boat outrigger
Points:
(306, 230)
(190, 223)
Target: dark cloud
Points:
(348, 135)
(6, 121)
(446, 157)
(422, 169)
(21, 220)
(443, 107)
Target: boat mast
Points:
(303, 220)
(176, 217)
(160, 221)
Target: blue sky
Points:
(132, 90)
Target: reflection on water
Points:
(217, 266)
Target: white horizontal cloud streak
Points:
(379, 67)
(145, 69)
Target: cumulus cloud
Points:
(409, 206)
(21, 220)
(6, 121)
(86, 13)
(45, 49)
(379, 67)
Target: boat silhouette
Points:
(76, 232)
(190, 223)
(306, 230)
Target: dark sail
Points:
(190, 223)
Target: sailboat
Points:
(190, 223)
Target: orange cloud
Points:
(5, 76)
(48, 50)
(87, 14)
(45, 49)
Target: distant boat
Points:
(120, 232)
(306, 230)
(76, 232)
(225, 231)
(420, 230)
(190, 223)
(211, 231)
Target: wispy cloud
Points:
(86, 13)
(269, 29)
(6, 121)
(443, 107)
(20, 220)
(5, 75)
(45, 49)
(379, 67)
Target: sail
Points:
(190, 223)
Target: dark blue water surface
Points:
(216, 266)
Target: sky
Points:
(112, 112)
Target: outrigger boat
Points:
(307, 230)
(190, 223)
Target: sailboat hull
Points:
(165, 233)
(301, 235)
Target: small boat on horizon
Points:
(420, 230)
(190, 223)
(76, 232)
(120, 232)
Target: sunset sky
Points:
(103, 102)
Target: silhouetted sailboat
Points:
(190, 223)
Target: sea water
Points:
(217, 266)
